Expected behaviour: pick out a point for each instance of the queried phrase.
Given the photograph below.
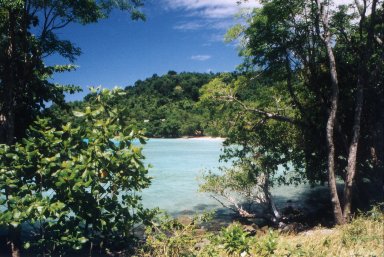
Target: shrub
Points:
(234, 239)
(169, 237)
(75, 186)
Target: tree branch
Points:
(62, 25)
(361, 8)
(268, 115)
(238, 209)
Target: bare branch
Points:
(268, 115)
(62, 25)
(47, 21)
(238, 209)
(223, 204)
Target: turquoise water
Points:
(176, 165)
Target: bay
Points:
(176, 166)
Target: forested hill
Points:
(165, 106)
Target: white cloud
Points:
(216, 37)
(220, 9)
(216, 15)
(211, 8)
(189, 26)
(223, 24)
(200, 57)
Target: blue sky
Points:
(179, 35)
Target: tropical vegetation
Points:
(305, 106)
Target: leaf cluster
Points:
(76, 186)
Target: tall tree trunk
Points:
(337, 211)
(14, 241)
(363, 77)
(10, 81)
(379, 145)
(352, 154)
(377, 148)
(14, 234)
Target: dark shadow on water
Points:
(311, 208)
(199, 208)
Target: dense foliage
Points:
(75, 186)
(39, 169)
(309, 99)
(28, 34)
(165, 106)
(306, 105)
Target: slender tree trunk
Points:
(14, 241)
(10, 81)
(14, 234)
(352, 154)
(273, 208)
(363, 77)
(337, 211)
(380, 142)
(379, 146)
(276, 216)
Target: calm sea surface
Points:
(177, 164)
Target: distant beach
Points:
(204, 138)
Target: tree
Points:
(326, 36)
(165, 106)
(313, 59)
(365, 52)
(28, 35)
(75, 186)
(255, 131)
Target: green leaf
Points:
(27, 245)
(14, 224)
(83, 240)
(78, 114)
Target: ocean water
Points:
(177, 164)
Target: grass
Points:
(363, 236)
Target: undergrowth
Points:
(363, 236)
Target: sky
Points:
(179, 35)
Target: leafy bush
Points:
(268, 245)
(234, 239)
(167, 236)
(75, 186)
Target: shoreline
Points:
(202, 138)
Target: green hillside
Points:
(164, 106)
